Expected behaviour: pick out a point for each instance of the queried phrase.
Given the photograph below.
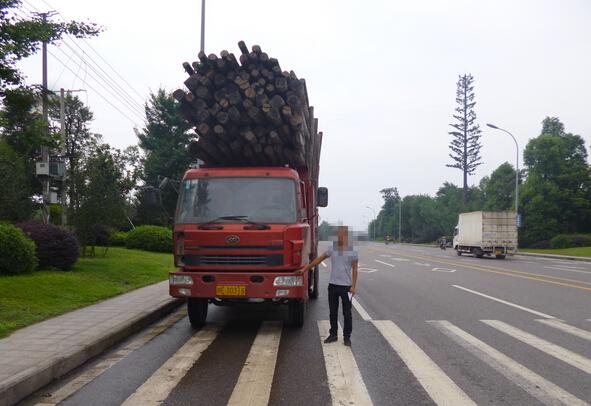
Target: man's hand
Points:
(301, 271)
(352, 290)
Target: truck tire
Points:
(197, 310)
(458, 252)
(500, 256)
(297, 312)
(313, 283)
(478, 253)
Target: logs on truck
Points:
(247, 111)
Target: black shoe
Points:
(347, 341)
(330, 339)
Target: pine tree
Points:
(465, 145)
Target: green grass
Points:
(576, 252)
(27, 299)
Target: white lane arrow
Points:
(443, 270)
(368, 270)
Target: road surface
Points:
(429, 327)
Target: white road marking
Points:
(505, 302)
(443, 270)
(560, 325)
(385, 263)
(420, 264)
(540, 388)
(561, 268)
(564, 355)
(436, 383)
(95, 371)
(344, 379)
(572, 267)
(323, 264)
(364, 315)
(254, 383)
(385, 255)
(399, 259)
(157, 388)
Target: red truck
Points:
(240, 233)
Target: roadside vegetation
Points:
(575, 252)
(29, 298)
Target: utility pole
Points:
(44, 148)
(400, 221)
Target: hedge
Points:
(150, 238)
(571, 240)
(17, 251)
(56, 247)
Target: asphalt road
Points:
(429, 328)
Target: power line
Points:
(97, 92)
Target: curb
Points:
(554, 256)
(27, 382)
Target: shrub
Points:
(17, 252)
(571, 240)
(150, 238)
(118, 238)
(543, 244)
(56, 247)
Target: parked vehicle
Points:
(486, 233)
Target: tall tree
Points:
(465, 144)
(22, 37)
(499, 188)
(164, 142)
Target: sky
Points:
(381, 75)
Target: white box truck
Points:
(486, 233)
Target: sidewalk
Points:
(32, 357)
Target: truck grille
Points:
(261, 260)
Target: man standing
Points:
(342, 283)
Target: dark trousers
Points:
(334, 293)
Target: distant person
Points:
(342, 283)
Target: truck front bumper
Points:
(243, 285)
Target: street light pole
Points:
(516, 166)
(400, 221)
(375, 221)
(202, 25)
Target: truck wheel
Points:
(459, 253)
(478, 253)
(500, 256)
(297, 312)
(197, 309)
(313, 283)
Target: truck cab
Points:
(239, 236)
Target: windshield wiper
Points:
(243, 219)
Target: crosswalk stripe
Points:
(254, 383)
(540, 388)
(436, 383)
(571, 358)
(362, 312)
(95, 371)
(344, 379)
(157, 388)
(560, 325)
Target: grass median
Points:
(27, 299)
(575, 252)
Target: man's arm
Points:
(313, 263)
(354, 267)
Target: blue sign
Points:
(519, 222)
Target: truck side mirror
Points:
(322, 197)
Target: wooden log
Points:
(202, 116)
(188, 68)
(246, 104)
(234, 114)
(253, 58)
(215, 109)
(277, 102)
(198, 104)
(270, 152)
(273, 62)
(267, 74)
(202, 92)
(211, 148)
(249, 136)
(195, 149)
(274, 137)
(264, 58)
(270, 88)
(178, 94)
(244, 60)
(256, 49)
(192, 82)
(256, 115)
(243, 47)
(281, 84)
(202, 57)
(274, 117)
(219, 80)
(250, 92)
(223, 118)
(261, 100)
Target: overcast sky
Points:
(381, 75)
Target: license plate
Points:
(230, 290)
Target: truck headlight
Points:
(181, 280)
(288, 281)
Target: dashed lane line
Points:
(564, 355)
(88, 375)
(385, 263)
(157, 388)
(344, 379)
(436, 383)
(560, 325)
(254, 383)
(547, 316)
(540, 388)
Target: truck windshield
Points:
(261, 200)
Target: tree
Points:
(15, 204)
(164, 142)
(499, 188)
(465, 144)
(80, 141)
(556, 194)
(22, 37)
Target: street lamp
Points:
(376, 220)
(516, 166)
(400, 221)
